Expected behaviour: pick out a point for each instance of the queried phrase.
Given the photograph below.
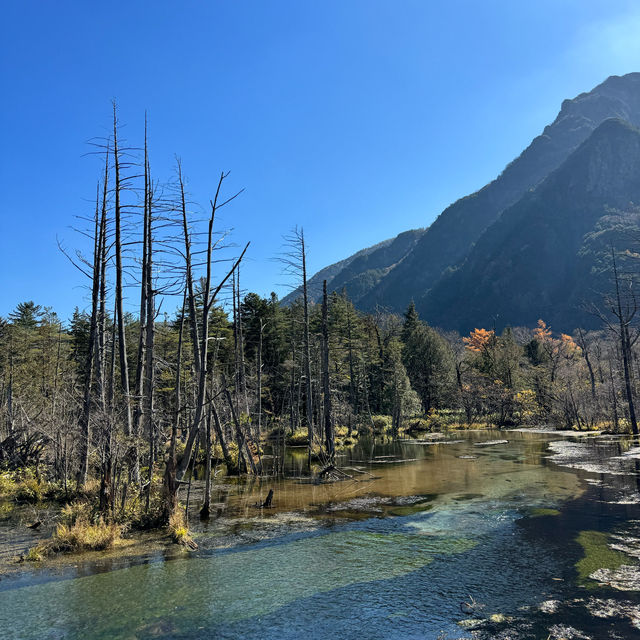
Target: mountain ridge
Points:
(445, 246)
(525, 266)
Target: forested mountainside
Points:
(450, 239)
(544, 256)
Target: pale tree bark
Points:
(208, 301)
(85, 431)
(122, 341)
(326, 385)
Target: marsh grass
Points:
(179, 530)
(79, 530)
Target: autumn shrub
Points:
(526, 405)
(7, 485)
(77, 533)
(179, 529)
(84, 536)
(24, 485)
(75, 511)
(35, 554)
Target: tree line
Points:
(129, 402)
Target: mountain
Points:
(537, 259)
(453, 233)
(450, 240)
(359, 273)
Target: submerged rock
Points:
(562, 632)
(549, 606)
(594, 455)
(490, 443)
(624, 578)
(614, 609)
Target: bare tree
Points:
(294, 260)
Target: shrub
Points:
(83, 536)
(341, 432)
(75, 511)
(233, 452)
(35, 554)
(416, 425)
(7, 485)
(79, 536)
(300, 437)
(381, 424)
(179, 529)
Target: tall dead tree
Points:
(191, 296)
(326, 385)
(170, 485)
(625, 311)
(122, 341)
(207, 302)
(150, 311)
(294, 260)
(142, 320)
(85, 431)
(102, 312)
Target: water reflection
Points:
(449, 523)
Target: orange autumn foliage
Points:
(542, 331)
(565, 346)
(478, 339)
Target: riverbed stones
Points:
(624, 578)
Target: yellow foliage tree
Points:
(478, 339)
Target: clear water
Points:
(387, 555)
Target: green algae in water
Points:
(223, 587)
(597, 555)
(541, 512)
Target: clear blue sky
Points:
(354, 119)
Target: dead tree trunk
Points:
(85, 431)
(193, 317)
(149, 365)
(307, 349)
(170, 484)
(208, 300)
(326, 386)
(122, 342)
(206, 503)
(625, 317)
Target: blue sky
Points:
(354, 119)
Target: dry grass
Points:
(83, 536)
(179, 530)
(77, 533)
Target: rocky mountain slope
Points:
(419, 266)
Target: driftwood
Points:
(331, 473)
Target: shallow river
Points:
(420, 538)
